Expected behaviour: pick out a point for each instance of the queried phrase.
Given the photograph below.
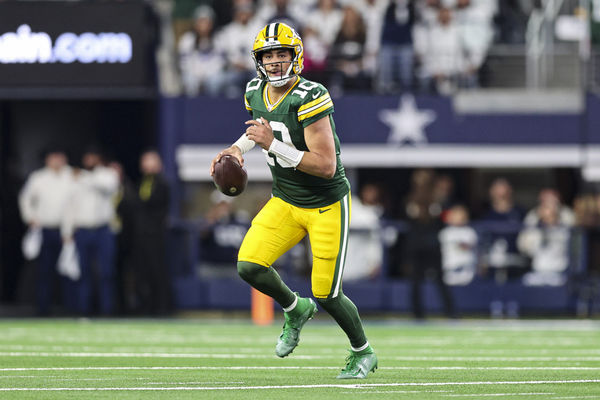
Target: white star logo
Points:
(407, 123)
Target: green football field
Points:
(217, 359)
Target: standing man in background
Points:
(42, 202)
(89, 212)
(153, 284)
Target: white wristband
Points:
(289, 154)
(244, 144)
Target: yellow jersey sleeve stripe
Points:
(314, 102)
(316, 106)
(316, 110)
(247, 104)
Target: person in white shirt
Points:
(201, 63)
(235, 41)
(547, 243)
(42, 203)
(551, 196)
(90, 210)
(458, 241)
(364, 256)
(440, 50)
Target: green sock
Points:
(343, 310)
(267, 281)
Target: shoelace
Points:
(351, 361)
(287, 331)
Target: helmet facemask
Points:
(284, 76)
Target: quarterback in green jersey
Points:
(292, 122)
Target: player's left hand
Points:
(260, 131)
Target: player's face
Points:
(277, 61)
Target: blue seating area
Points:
(483, 296)
(387, 296)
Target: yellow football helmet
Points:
(275, 36)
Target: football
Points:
(229, 177)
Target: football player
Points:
(292, 122)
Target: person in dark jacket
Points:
(152, 281)
(396, 56)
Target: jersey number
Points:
(306, 85)
(285, 138)
(253, 84)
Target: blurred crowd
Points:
(97, 239)
(439, 240)
(386, 46)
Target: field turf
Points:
(217, 359)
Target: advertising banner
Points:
(75, 45)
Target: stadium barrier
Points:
(491, 293)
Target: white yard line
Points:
(511, 359)
(277, 387)
(164, 368)
(284, 367)
(497, 394)
(147, 355)
(268, 356)
(397, 391)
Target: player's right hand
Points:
(233, 151)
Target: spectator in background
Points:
(504, 218)
(325, 21)
(586, 208)
(458, 243)
(346, 55)
(364, 256)
(475, 21)
(87, 219)
(439, 49)
(201, 64)
(372, 12)
(153, 284)
(42, 202)
(422, 244)
(315, 56)
(280, 11)
(550, 196)
(221, 236)
(511, 20)
(547, 243)
(396, 56)
(122, 226)
(183, 15)
(235, 41)
(443, 194)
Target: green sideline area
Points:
(220, 359)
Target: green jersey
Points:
(304, 103)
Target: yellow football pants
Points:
(279, 226)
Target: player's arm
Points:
(319, 160)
